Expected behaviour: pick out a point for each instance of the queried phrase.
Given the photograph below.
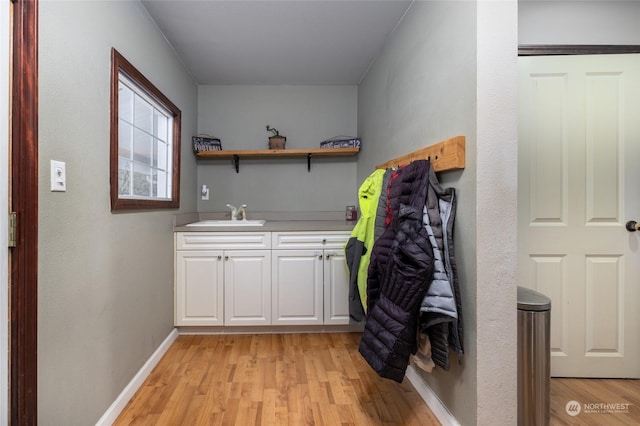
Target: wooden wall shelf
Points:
(446, 155)
(236, 155)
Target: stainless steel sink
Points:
(228, 223)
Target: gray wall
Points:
(105, 280)
(421, 90)
(450, 69)
(578, 22)
(306, 115)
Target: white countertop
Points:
(289, 221)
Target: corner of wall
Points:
(496, 222)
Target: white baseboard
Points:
(430, 398)
(127, 393)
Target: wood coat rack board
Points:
(446, 155)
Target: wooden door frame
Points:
(576, 49)
(23, 199)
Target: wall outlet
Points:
(58, 176)
(204, 192)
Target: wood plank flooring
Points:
(317, 379)
(594, 393)
(271, 379)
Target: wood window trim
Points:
(120, 64)
(575, 49)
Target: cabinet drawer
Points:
(222, 240)
(309, 240)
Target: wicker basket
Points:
(277, 142)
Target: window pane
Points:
(143, 115)
(125, 103)
(125, 139)
(124, 176)
(161, 127)
(141, 180)
(160, 158)
(142, 147)
(160, 184)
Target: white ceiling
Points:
(277, 42)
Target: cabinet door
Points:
(297, 287)
(336, 288)
(198, 287)
(247, 287)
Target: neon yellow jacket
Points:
(363, 234)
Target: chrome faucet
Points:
(238, 213)
(242, 212)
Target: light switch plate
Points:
(58, 176)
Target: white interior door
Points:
(579, 183)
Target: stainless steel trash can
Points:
(534, 356)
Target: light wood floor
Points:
(316, 379)
(279, 379)
(595, 391)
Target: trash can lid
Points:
(529, 300)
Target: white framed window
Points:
(145, 142)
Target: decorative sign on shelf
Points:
(206, 143)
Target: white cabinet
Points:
(297, 287)
(247, 287)
(310, 281)
(199, 290)
(218, 282)
(336, 288)
(261, 278)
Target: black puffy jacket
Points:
(407, 186)
(401, 268)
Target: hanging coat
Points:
(401, 268)
(359, 245)
(441, 308)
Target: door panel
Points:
(336, 288)
(579, 140)
(199, 288)
(297, 287)
(549, 276)
(247, 287)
